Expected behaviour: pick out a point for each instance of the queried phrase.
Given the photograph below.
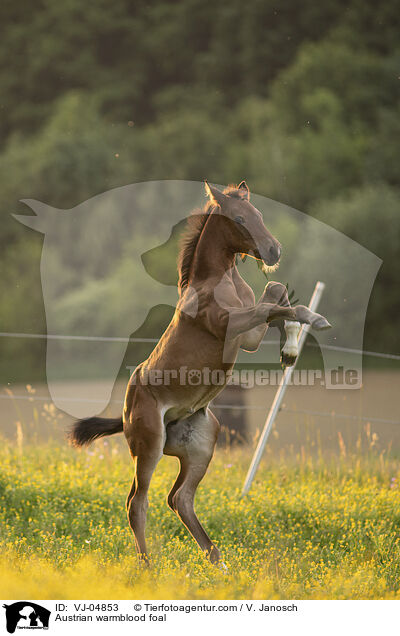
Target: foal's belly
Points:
(189, 401)
(190, 376)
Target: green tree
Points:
(370, 216)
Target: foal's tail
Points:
(85, 431)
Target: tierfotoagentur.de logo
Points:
(26, 615)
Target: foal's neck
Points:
(213, 256)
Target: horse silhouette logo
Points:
(110, 262)
(26, 615)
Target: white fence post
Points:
(313, 304)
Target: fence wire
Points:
(332, 414)
(42, 336)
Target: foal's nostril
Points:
(275, 252)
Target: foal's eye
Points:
(239, 219)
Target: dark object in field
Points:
(232, 417)
(215, 317)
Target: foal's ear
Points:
(215, 195)
(244, 190)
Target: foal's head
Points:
(245, 230)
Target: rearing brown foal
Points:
(166, 404)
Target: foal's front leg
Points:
(277, 293)
(290, 349)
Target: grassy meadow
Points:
(311, 528)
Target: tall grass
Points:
(312, 526)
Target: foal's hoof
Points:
(320, 323)
(288, 360)
(221, 566)
(144, 561)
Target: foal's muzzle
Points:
(271, 255)
(274, 254)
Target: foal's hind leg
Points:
(145, 435)
(193, 441)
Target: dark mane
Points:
(195, 225)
